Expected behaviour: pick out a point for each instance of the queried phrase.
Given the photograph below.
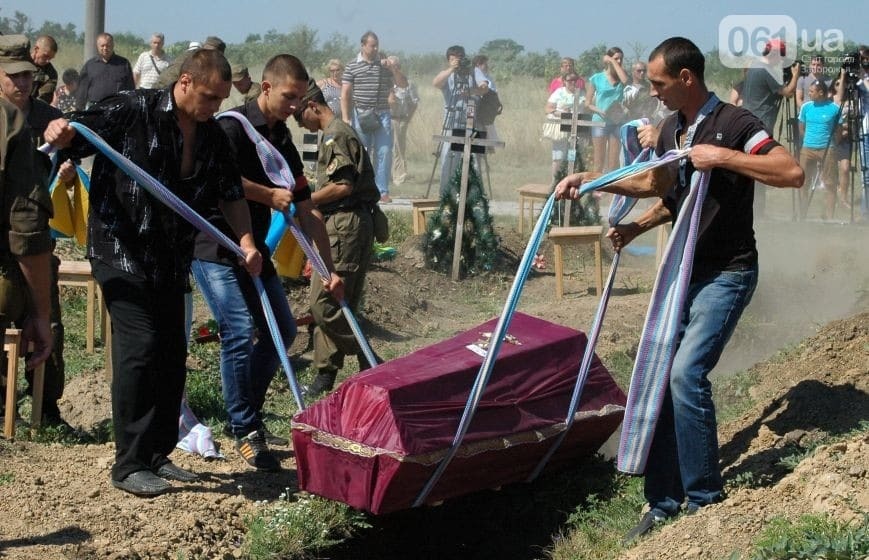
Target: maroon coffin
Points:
(377, 439)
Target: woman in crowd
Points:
(64, 98)
(561, 100)
(603, 93)
(331, 85)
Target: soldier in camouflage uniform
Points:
(347, 196)
(25, 208)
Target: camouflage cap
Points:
(239, 72)
(313, 90)
(15, 54)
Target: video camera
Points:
(788, 71)
(464, 68)
(851, 66)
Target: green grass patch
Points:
(596, 528)
(812, 537)
(6, 478)
(301, 526)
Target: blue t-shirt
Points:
(820, 118)
(605, 93)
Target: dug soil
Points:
(812, 303)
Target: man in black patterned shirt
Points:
(140, 250)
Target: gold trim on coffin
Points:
(468, 450)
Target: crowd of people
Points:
(142, 253)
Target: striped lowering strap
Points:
(278, 172)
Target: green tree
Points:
(502, 50)
(591, 61)
(19, 23)
(61, 33)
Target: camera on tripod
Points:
(851, 66)
(788, 71)
(464, 68)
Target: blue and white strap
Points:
(279, 173)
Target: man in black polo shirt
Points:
(366, 87)
(246, 369)
(734, 145)
(103, 75)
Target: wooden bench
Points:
(12, 347)
(78, 273)
(530, 193)
(420, 208)
(576, 235)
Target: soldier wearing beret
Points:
(347, 195)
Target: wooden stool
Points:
(581, 235)
(12, 347)
(419, 208)
(78, 273)
(531, 192)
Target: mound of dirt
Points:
(819, 389)
(58, 502)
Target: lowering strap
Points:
(659, 341)
(512, 301)
(278, 172)
(620, 206)
(170, 199)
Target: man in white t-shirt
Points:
(151, 64)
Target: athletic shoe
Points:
(254, 449)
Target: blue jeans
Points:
(379, 147)
(246, 369)
(683, 459)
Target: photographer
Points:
(762, 95)
(458, 83)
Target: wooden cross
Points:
(570, 122)
(467, 140)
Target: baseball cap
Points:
(194, 45)
(239, 72)
(15, 54)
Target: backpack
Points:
(488, 107)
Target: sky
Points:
(413, 26)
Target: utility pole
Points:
(94, 24)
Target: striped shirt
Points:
(371, 84)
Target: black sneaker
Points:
(254, 449)
(274, 440)
(648, 522)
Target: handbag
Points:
(552, 130)
(369, 120)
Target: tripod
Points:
(852, 107)
(790, 124)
